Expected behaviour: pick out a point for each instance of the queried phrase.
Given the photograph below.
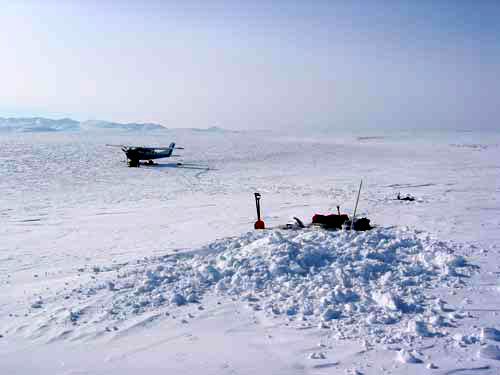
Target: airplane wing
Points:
(164, 148)
(138, 147)
(145, 147)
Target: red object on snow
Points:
(259, 224)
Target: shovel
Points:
(259, 224)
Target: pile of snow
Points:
(362, 284)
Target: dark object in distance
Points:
(407, 198)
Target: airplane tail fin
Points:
(171, 147)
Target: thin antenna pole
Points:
(356, 206)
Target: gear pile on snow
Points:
(330, 221)
(339, 221)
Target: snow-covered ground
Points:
(110, 270)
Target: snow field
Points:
(118, 269)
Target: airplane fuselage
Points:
(137, 153)
(146, 154)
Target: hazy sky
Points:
(254, 64)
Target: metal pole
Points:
(356, 206)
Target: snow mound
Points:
(354, 280)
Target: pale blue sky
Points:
(254, 64)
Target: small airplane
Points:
(137, 153)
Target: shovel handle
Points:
(257, 204)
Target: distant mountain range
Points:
(40, 124)
(93, 124)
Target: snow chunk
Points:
(209, 274)
(388, 301)
(418, 328)
(178, 299)
(437, 321)
(488, 333)
(330, 314)
(406, 356)
(464, 340)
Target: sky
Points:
(254, 64)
